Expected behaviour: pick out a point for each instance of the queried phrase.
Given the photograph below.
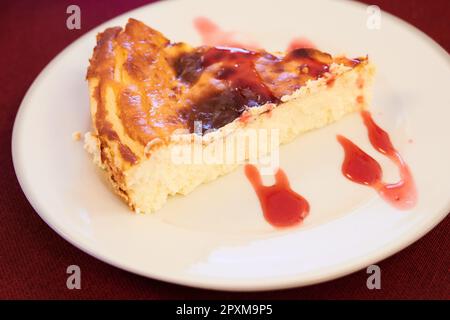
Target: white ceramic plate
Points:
(216, 237)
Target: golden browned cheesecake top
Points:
(161, 86)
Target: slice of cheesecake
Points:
(151, 98)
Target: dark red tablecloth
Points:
(33, 258)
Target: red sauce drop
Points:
(300, 43)
(238, 67)
(361, 168)
(315, 65)
(281, 206)
(213, 35)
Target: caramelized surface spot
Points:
(189, 66)
(105, 129)
(133, 115)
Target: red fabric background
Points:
(33, 258)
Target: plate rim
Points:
(343, 269)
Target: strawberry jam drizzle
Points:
(238, 68)
(361, 168)
(244, 86)
(281, 206)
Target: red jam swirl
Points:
(238, 68)
(281, 206)
(361, 168)
(242, 75)
(213, 35)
